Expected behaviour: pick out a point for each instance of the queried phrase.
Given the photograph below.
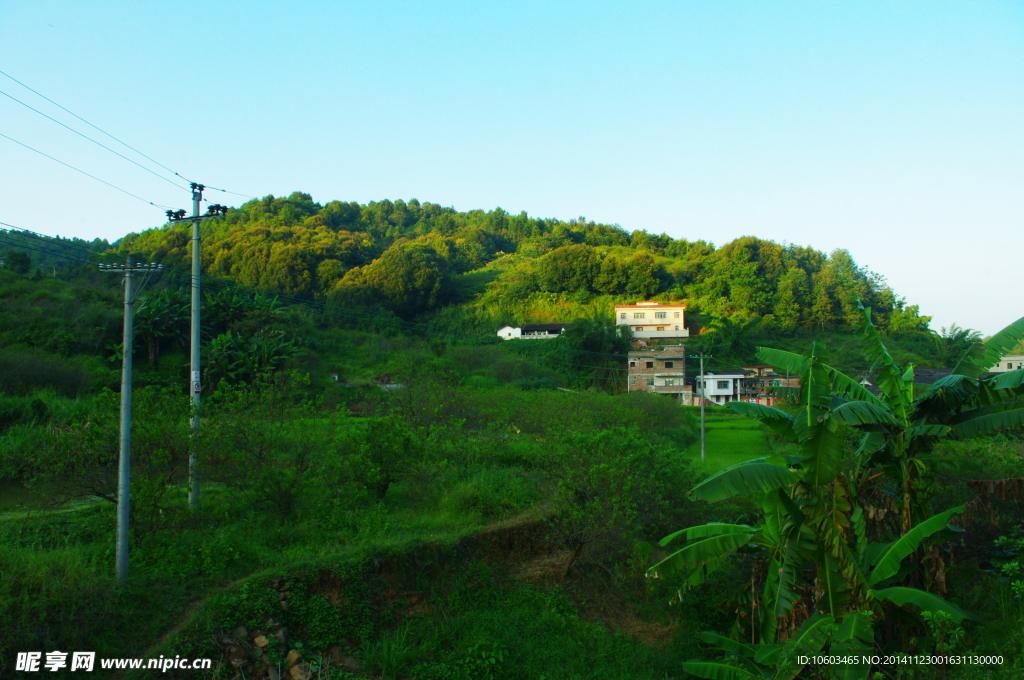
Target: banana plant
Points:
(819, 581)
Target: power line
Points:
(86, 122)
(123, 191)
(216, 189)
(171, 182)
(153, 160)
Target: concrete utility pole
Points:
(215, 212)
(703, 380)
(124, 462)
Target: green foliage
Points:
(607, 485)
(17, 262)
(814, 511)
(411, 257)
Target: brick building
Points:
(662, 371)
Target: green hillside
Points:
(491, 516)
(413, 258)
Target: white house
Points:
(721, 389)
(509, 333)
(1011, 362)
(532, 331)
(653, 319)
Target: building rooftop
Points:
(527, 327)
(651, 305)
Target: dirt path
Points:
(192, 608)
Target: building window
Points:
(661, 328)
(632, 364)
(1009, 365)
(650, 364)
(638, 315)
(650, 382)
(660, 315)
(669, 364)
(670, 382)
(677, 315)
(623, 316)
(762, 383)
(723, 384)
(677, 327)
(640, 329)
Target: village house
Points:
(1011, 362)
(662, 371)
(653, 320)
(761, 384)
(719, 389)
(532, 331)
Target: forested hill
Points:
(413, 258)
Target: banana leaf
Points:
(983, 356)
(812, 635)
(800, 548)
(780, 421)
(835, 589)
(922, 600)
(744, 478)
(987, 424)
(821, 451)
(768, 655)
(727, 644)
(1010, 380)
(717, 670)
(845, 386)
(699, 553)
(706, 530)
(856, 413)
(782, 360)
(888, 561)
(853, 637)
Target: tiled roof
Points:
(683, 305)
(544, 326)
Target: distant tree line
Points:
(410, 258)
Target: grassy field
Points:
(729, 439)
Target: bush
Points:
(22, 373)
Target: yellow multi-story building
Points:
(651, 320)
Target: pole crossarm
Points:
(201, 218)
(135, 269)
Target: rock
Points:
(352, 663)
(261, 641)
(240, 634)
(335, 653)
(284, 596)
(300, 672)
(284, 606)
(293, 657)
(282, 635)
(238, 656)
(274, 673)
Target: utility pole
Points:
(124, 462)
(215, 212)
(703, 381)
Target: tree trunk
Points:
(575, 554)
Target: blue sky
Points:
(893, 130)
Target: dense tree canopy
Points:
(410, 258)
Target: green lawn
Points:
(729, 439)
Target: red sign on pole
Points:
(195, 387)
